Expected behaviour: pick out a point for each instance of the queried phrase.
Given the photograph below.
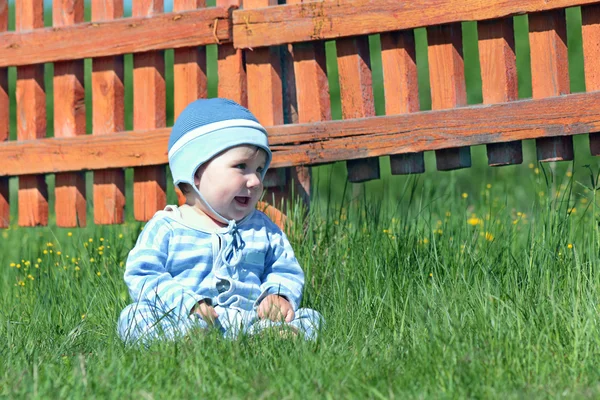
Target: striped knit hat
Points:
(205, 128)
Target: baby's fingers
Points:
(289, 316)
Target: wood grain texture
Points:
(356, 94)
(189, 69)
(400, 85)
(69, 120)
(4, 122)
(499, 80)
(550, 74)
(108, 117)
(320, 20)
(149, 112)
(231, 67)
(108, 38)
(447, 81)
(590, 21)
(31, 118)
(328, 141)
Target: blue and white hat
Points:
(207, 127)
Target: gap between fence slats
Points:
(108, 38)
(550, 74)
(329, 141)
(31, 118)
(108, 116)
(400, 85)
(69, 120)
(149, 112)
(334, 19)
(447, 81)
(499, 80)
(590, 20)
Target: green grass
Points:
(467, 286)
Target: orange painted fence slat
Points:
(4, 122)
(329, 141)
(499, 80)
(69, 120)
(590, 19)
(401, 91)
(550, 74)
(356, 93)
(320, 20)
(31, 118)
(149, 112)
(108, 116)
(447, 80)
(108, 38)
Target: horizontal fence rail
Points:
(324, 142)
(273, 59)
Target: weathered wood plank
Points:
(590, 21)
(550, 74)
(31, 118)
(230, 64)
(108, 116)
(69, 120)
(329, 141)
(108, 38)
(400, 85)
(4, 122)
(499, 80)
(356, 93)
(320, 20)
(149, 112)
(447, 81)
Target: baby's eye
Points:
(260, 170)
(241, 166)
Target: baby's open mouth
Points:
(242, 200)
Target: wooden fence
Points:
(271, 58)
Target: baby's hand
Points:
(275, 308)
(206, 312)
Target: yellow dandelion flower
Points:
(120, 236)
(569, 246)
(569, 174)
(39, 260)
(69, 234)
(430, 275)
(12, 264)
(385, 231)
(100, 253)
(336, 222)
(102, 239)
(92, 260)
(77, 268)
(85, 245)
(448, 214)
(121, 264)
(536, 171)
(18, 265)
(83, 316)
(531, 165)
(51, 251)
(30, 277)
(465, 195)
(73, 260)
(37, 265)
(58, 253)
(425, 240)
(572, 210)
(98, 273)
(473, 221)
(489, 186)
(90, 240)
(489, 236)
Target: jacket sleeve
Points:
(283, 274)
(146, 275)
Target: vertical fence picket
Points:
(448, 89)
(590, 20)
(400, 85)
(499, 80)
(31, 118)
(69, 119)
(231, 69)
(108, 116)
(550, 74)
(265, 101)
(149, 112)
(4, 122)
(356, 92)
(189, 72)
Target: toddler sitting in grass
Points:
(216, 261)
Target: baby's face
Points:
(231, 183)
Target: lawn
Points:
(479, 283)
